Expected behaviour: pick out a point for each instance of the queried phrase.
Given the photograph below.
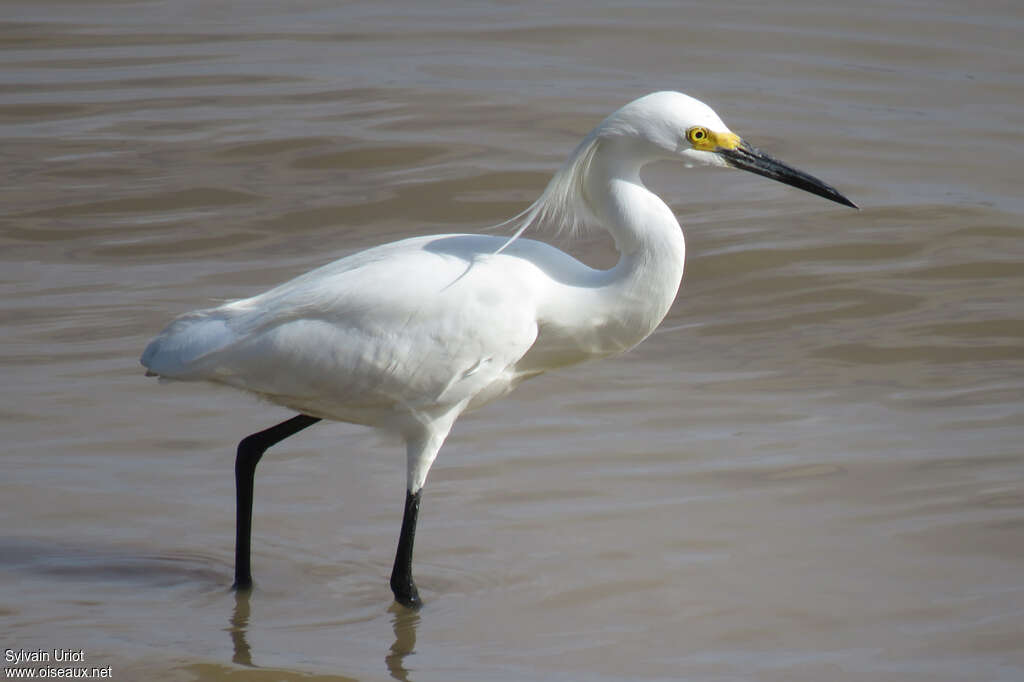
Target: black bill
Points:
(754, 160)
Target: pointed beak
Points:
(745, 157)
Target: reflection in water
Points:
(239, 627)
(404, 623)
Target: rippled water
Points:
(812, 471)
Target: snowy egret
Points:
(409, 335)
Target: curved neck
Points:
(619, 307)
(620, 201)
(648, 237)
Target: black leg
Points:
(249, 452)
(402, 585)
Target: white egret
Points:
(409, 335)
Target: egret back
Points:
(418, 324)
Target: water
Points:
(812, 471)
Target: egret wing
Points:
(396, 327)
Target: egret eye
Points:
(697, 135)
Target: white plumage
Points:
(409, 335)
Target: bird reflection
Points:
(404, 623)
(238, 629)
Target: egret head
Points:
(674, 125)
(662, 125)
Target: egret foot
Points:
(402, 584)
(242, 585)
(406, 593)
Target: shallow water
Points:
(812, 471)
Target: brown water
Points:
(813, 471)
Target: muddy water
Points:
(812, 471)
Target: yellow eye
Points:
(698, 135)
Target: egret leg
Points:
(402, 584)
(250, 450)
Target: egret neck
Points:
(635, 294)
